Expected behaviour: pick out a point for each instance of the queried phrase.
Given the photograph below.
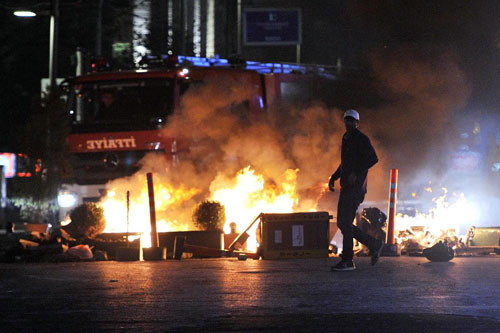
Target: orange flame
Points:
(244, 197)
(443, 220)
(167, 198)
(247, 195)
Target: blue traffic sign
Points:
(272, 26)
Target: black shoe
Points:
(376, 254)
(344, 265)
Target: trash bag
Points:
(81, 251)
(439, 252)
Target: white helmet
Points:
(352, 113)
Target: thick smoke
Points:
(224, 141)
(217, 136)
(422, 87)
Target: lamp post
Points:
(49, 159)
(54, 27)
(54, 24)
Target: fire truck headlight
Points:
(183, 73)
(66, 199)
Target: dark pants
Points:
(349, 201)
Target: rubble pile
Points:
(55, 246)
(415, 240)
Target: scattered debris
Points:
(55, 246)
(415, 239)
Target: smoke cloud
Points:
(225, 142)
(423, 87)
(217, 136)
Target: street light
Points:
(54, 23)
(24, 13)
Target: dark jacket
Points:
(357, 156)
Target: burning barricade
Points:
(239, 199)
(441, 229)
(233, 204)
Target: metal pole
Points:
(128, 210)
(298, 54)
(393, 190)
(79, 62)
(238, 23)
(78, 72)
(54, 22)
(3, 196)
(231, 247)
(152, 212)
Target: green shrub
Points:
(87, 221)
(34, 211)
(209, 215)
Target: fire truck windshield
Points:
(122, 104)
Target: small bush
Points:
(209, 215)
(87, 221)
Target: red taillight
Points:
(38, 166)
(24, 174)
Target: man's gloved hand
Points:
(331, 184)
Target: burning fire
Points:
(166, 197)
(248, 195)
(244, 197)
(443, 221)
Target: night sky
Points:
(467, 30)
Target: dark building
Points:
(208, 28)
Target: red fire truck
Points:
(117, 115)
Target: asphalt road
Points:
(399, 294)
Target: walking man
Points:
(357, 156)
